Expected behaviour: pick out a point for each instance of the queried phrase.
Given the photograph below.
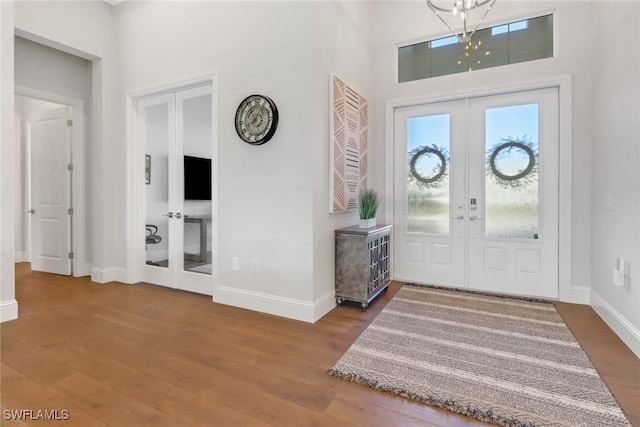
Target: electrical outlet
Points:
(619, 272)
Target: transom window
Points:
(521, 41)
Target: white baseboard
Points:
(305, 311)
(8, 310)
(323, 305)
(627, 332)
(83, 270)
(580, 295)
(106, 275)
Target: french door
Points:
(175, 130)
(476, 193)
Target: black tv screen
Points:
(197, 178)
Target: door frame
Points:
(566, 291)
(135, 187)
(79, 266)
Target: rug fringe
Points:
(486, 416)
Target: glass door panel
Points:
(512, 195)
(428, 193)
(195, 132)
(155, 131)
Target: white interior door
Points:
(175, 130)
(476, 193)
(50, 190)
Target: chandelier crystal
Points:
(462, 9)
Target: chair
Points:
(152, 238)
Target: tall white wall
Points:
(86, 29)
(265, 197)
(399, 23)
(342, 45)
(8, 303)
(615, 174)
(273, 198)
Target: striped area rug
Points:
(508, 361)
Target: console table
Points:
(202, 220)
(362, 263)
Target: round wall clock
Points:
(256, 119)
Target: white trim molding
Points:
(627, 332)
(580, 295)
(106, 275)
(8, 310)
(305, 311)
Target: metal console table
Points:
(362, 263)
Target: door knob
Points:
(475, 218)
(170, 215)
(178, 215)
(459, 217)
(31, 211)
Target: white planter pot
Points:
(367, 223)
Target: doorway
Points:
(476, 191)
(50, 205)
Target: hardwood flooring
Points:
(135, 355)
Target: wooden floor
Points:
(135, 355)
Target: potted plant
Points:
(368, 202)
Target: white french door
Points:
(476, 193)
(175, 130)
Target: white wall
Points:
(398, 23)
(8, 303)
(265, 198)
(615, 173)
(86, 29)
(342, 45)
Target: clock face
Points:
(256, 119)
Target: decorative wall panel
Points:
(348, 157)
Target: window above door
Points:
(519, 41)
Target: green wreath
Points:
(526, 176)
(439, 171)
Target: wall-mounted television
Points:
(197, 178)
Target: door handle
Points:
(31, 211)
(170, 215)
(475, 218)
(458, 217)
(178, 215)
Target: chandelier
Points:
(462, 10)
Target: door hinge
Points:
(70, 255)
(70, 167)
(69, 123)
(70, 211)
